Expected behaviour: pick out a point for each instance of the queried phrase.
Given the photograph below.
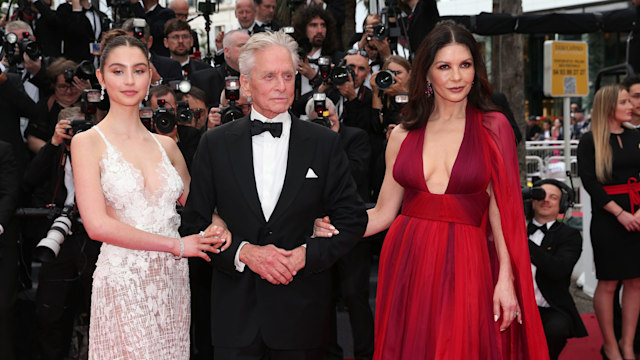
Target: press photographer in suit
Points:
(555, 248)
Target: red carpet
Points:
(586, 348)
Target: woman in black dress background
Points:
(609, 166)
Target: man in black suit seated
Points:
(156, 16)
(212, 80)
(167, 68)
(555, 248)
(269, 175)
(351, 272)
(179, 41)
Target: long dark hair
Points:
(304, 15)
(420, 105)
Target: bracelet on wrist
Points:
(181, 249)
(620, 213)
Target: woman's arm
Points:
(86, 150)
(504, 295)
(391, 193)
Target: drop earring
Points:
(146, 98)
(102, 93)
(429, 89)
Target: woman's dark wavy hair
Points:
(420, 107)
(304, 15)
(117, 41)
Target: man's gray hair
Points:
(263, 40)
(228, 37)
(18, 25)
(310, 110)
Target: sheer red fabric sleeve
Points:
(526, 341)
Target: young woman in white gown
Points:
(127, 183)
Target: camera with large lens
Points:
(29, 47)
(9, 41)
(184, 115)
(340, 74)
(232, 94)
(164, 118)
(138, 28)
(385, 79)
(146, 117)
(324, 68)
(320, 108)
(84, 71)
(49, 247)
(183, 86)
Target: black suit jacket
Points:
(211, 81)
(9, 185)
(421, 22)
(293, 316)
(47, 30)
(168, 68)
(193, 66)
(555, 258)
(156, 20)
(78, 33)
(14, 103)
(355, 143)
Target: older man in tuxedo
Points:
(269, 176)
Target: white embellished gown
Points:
(140, 304)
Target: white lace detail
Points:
(140, 305)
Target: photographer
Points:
(265, 10)
(387, 86)
(353, 269)
(156, 16)
(166, 68)
(354, 103)
(197, 103)
(211, 81)
(223, 114)
(186, 137)
(56, 303)
(555, 249)
(314, 30)
(47, 28)
(83, 27)
(179, 41)
(67, 89)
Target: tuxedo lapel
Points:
(549, 238)
(240, 151)
(301, 151)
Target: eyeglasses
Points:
(357, 51)
(177, 37)
(64, 87)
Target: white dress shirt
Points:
(537, 237)
(270, 156)
(305, 86)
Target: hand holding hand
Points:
(60, 132)
(214, 118)
(629, 221)
(504, 299)
(271, 263)
(218, 228)
(323, 228)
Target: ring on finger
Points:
(517, 313)
(201, 233)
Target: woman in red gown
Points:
(455, 276)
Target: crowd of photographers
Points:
(49, 92)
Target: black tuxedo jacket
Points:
(14, 103)
(555, 258)
(293, 316)
(211, 81)
(355, 143)
(9, 185)
(156, 20)
(78, 33)
(47, 30)
(168, 68)
(193, 66)
(421, 22)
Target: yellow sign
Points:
(566, 68)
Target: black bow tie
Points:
(258, 127)
(532, 228)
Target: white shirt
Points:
(305, 87)
(270, 157)
(537, 237)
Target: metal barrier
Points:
(550, 152)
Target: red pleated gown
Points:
(438, 265)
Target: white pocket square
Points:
(311, 174)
